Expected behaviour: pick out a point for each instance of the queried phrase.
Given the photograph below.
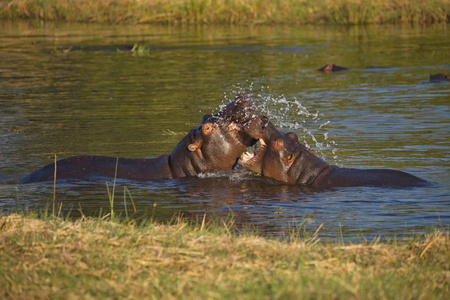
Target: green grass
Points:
(59, 259)
(230, 11)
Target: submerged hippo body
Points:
(215, 145)
(283, 158)
(87, 166)
(329, 68)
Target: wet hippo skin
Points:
(335, 68)
(283, 158)
(439, 77)
(215, 145)
(332, 68)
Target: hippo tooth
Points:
(247, 156)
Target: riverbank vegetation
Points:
(43, 258)
(230, 11)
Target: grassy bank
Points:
(41, 259)
(230, 11)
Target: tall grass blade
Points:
(18, 203)
(125, 203)
(111, 195)
(54, 190)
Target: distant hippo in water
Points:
(283, 158)
(332, 68)
(335, 68)
(439, 77)
(214, 145)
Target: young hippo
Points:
(283, 158)
(215, 145)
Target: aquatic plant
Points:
(140, 50)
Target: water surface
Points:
(78, 89)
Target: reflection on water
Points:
(78, 89)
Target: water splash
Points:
(289, 114)
(236, 176)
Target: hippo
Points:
(215, 145)
(283, 158)
(329, 68)
(332, 68)
(439, 77)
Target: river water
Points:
(69, 89)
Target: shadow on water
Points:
(79, 89)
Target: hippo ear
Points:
(292, 136)
(209, 128)
(278, 144)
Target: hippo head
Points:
(219, 141)
(281, 156)
(332, 68)
(273, 158)
(439, 77)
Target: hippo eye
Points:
(290, 156)
(265, 119)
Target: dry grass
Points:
(41, 259)
(230, 11)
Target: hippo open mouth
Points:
(249, 154)
(254, 151)
(251, 159)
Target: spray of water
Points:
(289, 114)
